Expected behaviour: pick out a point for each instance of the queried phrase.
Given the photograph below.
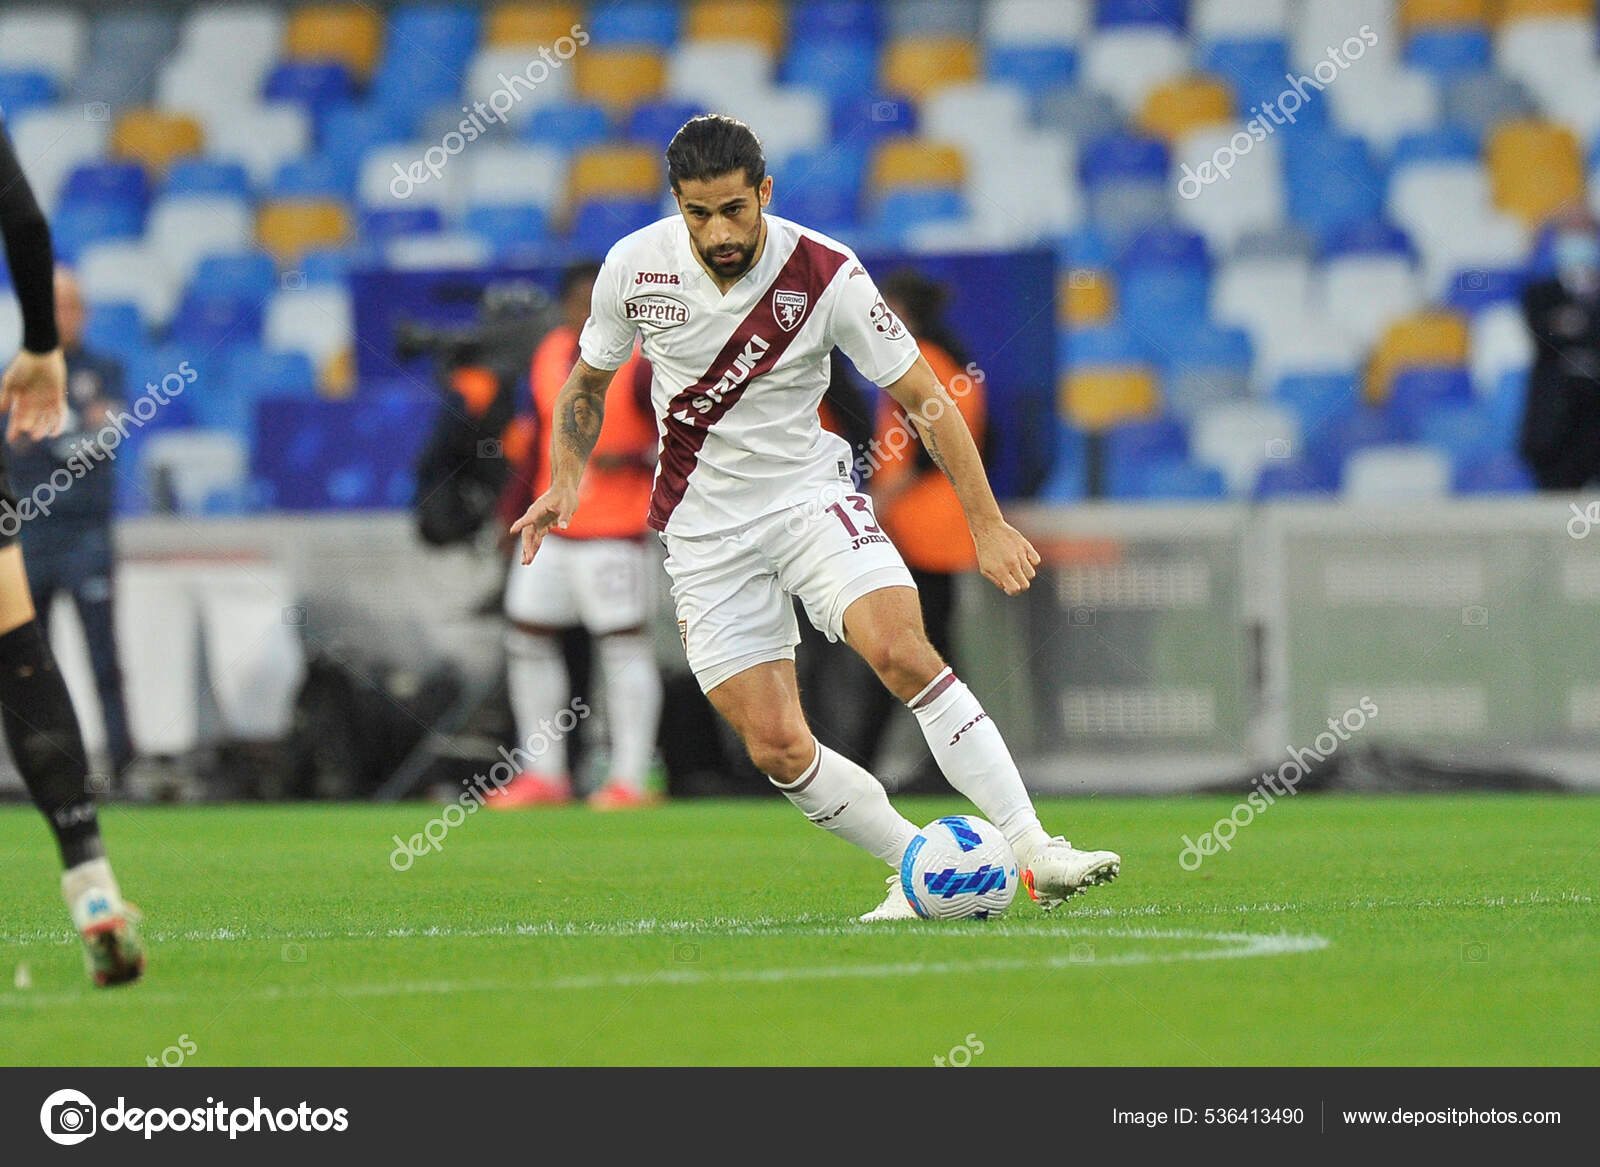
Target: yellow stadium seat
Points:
(1509, 10)
(1093, 399)
(603, 172)
(510, 25)
(155, 137)
(619, 79)
(1415, 14)
(290, 227)
(760, 21)
(336, 379)
(1535, 169)
(920, 66)
(1087, 297)
(1427, 338)
(905, 162)
(351, 33)
(1189, 103)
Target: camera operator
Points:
(1560, 437)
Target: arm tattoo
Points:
(930, 442)
(581, 415)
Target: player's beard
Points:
(732, 260)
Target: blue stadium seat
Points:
(1372, 237)
(256, 372)
(380, 226)
(1122, 158)
(152, 366)
(599, 223)
(864, 119)
(315, 176)
(633, 22)
(357, 453)
(1069, 468)
(1318, 398)
(1163, 302)
(1132, 448)
(1449, 50)
(314, 84)
(653, 123)
(1035, 69)
(445, 34)
(115, 330)
(1087, 246)
(80, 225)
(346, 132)
(901, 211)
(1182, 482)
(827, 20)
(1330, 442)
(1289, 479)
(1501, 473)
(1204, 345)
(1332, 182)
(509, 229)
(1172, 13)
(1479, 288)
(1464, 430)
(250, 276)
(828, 207)
(326, 265)
(1416, 392)
(835, 67)
(1253, 68)
(25, 89)
(1166, 244)
(1109, 344)
(1445, 144)
(124, 183)
(568, 125)
(208, 176)
(205, 320)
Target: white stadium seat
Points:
(484, 83)
(496, 175)
(1027, 185)
(1382, 105)
(235, 33)
(131, 272)
(1363, 293)
(192, 83)
(1238, 438)
(1539, 51)
(379, 186)
(788, 119)
(1250, 199)
(1222, 20)
(314, 321)
(1128, 62)
(263, 137)
(51, 40)
(10, 325)
(185, 229)
(1036, 22)
(52, 143)
(1500, 344)
(973, 113)
(1396, 474)
(196, 463)
(442, 250)
(1256, 293)
(1308, 343)
(717, 73)
(1574, 99)
(1323, 24)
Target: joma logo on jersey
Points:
(789, 308)
(657, 311)
(736, 376)
(655, 277)
(950, 883)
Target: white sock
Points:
(843, 799)
(536, 676)
(633, 700)
(969, 749)
(91, 892)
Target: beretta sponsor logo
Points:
(657, 311)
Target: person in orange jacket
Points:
(594, 572)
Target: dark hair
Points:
(712, 145)
(575, 274)
(924, 303)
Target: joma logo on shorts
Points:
(742, 365)
(966, 727)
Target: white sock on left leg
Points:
(843, 799)
(633, 701)
(91, 892)
(969, 749)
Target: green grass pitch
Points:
(1339, 930)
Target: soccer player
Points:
(739, 311)
(39, 722)
(596, 573)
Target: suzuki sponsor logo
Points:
(743, 365)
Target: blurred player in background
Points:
(595, 573)
(740, 312)
(70, 549)
(917, 504)
(39, 722)
(1560, 437)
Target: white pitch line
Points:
(1219, 946)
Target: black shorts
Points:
(10, 521)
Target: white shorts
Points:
(732, 590)
(602, 584)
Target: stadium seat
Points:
(1450, 51)
(1446, 143)
(205, 321)
(820, 186)
(22, 89)
(1385, 105)
(1295, 478)
(312, 84)
(1208, 365)
(1172, 481)
(184, 229)
(380, 225)
(1128, 62)
(1255, 294)
(1420, 390)
(1362, 293)
(1396, 473)
(351, 33)
(208, 176)
(1371, 237)
(1033, 69)
(114, 329)
(636, 23)
(1478, 102)
(1079, 115)
(1130, 447)
(1239, 438)
(960, 19)
(655, 122)
(1033, 22)
(787, 120)
(1095, 398)
(1512, 11)
(263, 138)
(1421, 15)
(315, 176)
(1476, 289)
(968, 114)
(898, 212)
(614, 172)
(569, 126)
(511, 229)
(1426, 338)
(313, 321)
(901, 162)
(1254, 69)
(129, 272)
(521, 25)
(431, 251)
(1163, 301)
(1495, 474)
(1318, 398)
(126, 184)
(832, 19)
(290, 227)
(501, 175)
(1068, 480)
(1121, 158)
(1500, 345)
(52, 40)
(154, 138)
(1217, 20)
(1111, 344)
(835, 69)
(498, 77)
(242, 275)
(1466, 431)
(599, 223)
(77, 225)
(920, 66)
(1086, 297)
(1250, 198)
(1322, 24)
(445, 33)
(1183, 105)
(760, 21)
(1536, 169)
(619, 79)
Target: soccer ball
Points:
(959, 867)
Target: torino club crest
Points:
(789, 308)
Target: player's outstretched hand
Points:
(553, 508)
(34, 392)
(1006, 559)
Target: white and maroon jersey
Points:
(738, 378)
